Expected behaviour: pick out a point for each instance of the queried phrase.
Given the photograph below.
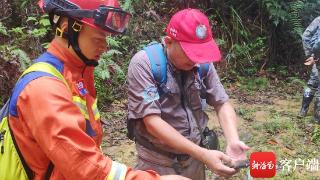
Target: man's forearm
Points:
(171, 137)
(228, 121)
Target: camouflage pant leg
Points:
(313, 83)
(310, 91)
(316, 111)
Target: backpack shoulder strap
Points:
(203, 70)
(39, 69)
(4, 110)
(47, 68)
(158, 62)
(45, 65)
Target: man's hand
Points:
(309, 61)
(215, 161)
(237, 150)
(173, 177)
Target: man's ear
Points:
(64, 24)
(168, 40)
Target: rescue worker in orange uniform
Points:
(56, 124)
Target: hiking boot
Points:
(307, 98)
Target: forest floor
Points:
(268, 121)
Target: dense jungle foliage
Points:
(258, 38)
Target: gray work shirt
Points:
(180, 108)
(311, 38)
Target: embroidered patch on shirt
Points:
(150, 94)
(80, 87)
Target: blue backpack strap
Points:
(158, 63)
(49, 58)
(23, 81)
(203, 70)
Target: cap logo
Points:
(173, 32)
(201, 31)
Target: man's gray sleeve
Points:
(216, 93)
(143, 96)
(310, 37)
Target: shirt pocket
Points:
(193, 97)
(173, 96)
(173, 87)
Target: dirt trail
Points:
(267, 122)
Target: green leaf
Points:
(45, 45)
(113, 43)
(3, 29)
(17, 30)
(39, 32)
(113, 52)
(24, 59)
(31, 19)
(105, 74)
(23, 4)
(44, 22)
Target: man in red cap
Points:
(166, 102)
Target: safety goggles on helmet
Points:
(108, 18)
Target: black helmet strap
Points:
(72, 35)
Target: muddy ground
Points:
(268, 121)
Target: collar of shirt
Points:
(65, 56)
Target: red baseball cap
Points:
(190, 27)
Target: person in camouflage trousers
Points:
(311, 44)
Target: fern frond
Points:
(294, 17)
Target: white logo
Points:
(201, 31)
(173, 32)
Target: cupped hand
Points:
(237, 150)
(216, 160)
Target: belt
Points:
(147, 144)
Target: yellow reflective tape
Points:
(45, 67)
(79, 100)
(96, 113)
(95, 110)
(83, 111)
(95, 104)
(82, 104)
(118, 171)
(123, 173)
(111, 173)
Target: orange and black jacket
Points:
(55, 124)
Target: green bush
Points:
(316, 135)
(253, 84)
